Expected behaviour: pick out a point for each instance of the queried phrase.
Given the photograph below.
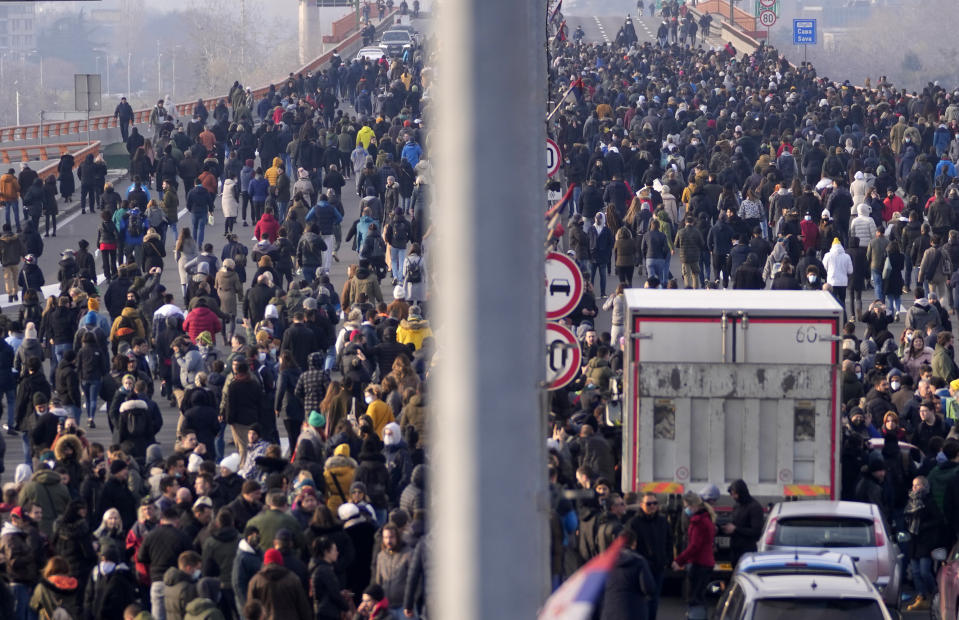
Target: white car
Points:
(370, 53)
(798, 586)
(855, 529)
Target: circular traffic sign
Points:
(553, 157)
(767, 18)
(564, 285)
(768, 3)
(563, 357)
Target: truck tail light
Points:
(771, 531)
(880, 533)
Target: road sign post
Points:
(86, 94)
(563, 356)
(564, 285)
(804, 33)
(554, 156)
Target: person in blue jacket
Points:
(259, 191)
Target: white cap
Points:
(231, 462)
(347, 511)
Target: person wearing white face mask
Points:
(112, 586)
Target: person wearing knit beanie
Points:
(272, 556)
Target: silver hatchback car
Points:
(799, 586)
(851, 528)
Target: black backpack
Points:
(135, 423)
(414, 271)
(134, 223)
(401, 234)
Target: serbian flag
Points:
(556, 10)
(577, 597)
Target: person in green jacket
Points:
(274, 519)
(942, 364)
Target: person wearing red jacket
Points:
(267, 228)
(201, 319)
(698, 554)
(810, 233)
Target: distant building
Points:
(18, 26)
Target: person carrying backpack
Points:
(398, 237)
(414, 276)
(374, 251)
(133, 227)
(127, 327)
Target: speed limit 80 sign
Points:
(767, 17)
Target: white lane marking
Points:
(54, 288)
(602, 30)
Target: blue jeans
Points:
(91, 393)
(157, 607)
(877, 283)
(922, 576)
(309, 273)
(397, 258)
(14, 206)
(281, 206)
(601, 268)
(658, 267)
(577, 190)
(406, 202)
(199, 225)
(894, 301)
(21, 601)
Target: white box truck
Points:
(720, 385)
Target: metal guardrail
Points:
(13, 154)
(36, 131)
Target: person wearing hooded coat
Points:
(746, 523)
(373, 473)
(399, 464)
(65, 176)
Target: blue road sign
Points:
(804, 32)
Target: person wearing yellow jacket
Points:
(338, 476)
(414, 329)
(273, 171)
(364, 135)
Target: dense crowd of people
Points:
(318, 510)
(746, 171)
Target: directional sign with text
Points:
(563, 357)
(553, 157)
(804, 32)
(564, 285)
